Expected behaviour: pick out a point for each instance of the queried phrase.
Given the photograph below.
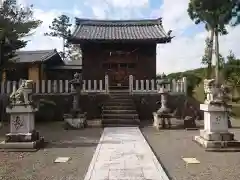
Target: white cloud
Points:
(185, 52)
(128, 3)
(38, 41)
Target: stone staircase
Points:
(119, 110)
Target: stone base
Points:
(22, 146)
(215, 136)
(75, 122)
(22, 137)
(159, 122)
(218, 146)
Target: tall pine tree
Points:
(60, 28)
(15, 23)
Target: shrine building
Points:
(119, 48)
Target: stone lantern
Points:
(163, 112)
(76, 118)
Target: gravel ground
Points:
(171, 145)
(79, 145)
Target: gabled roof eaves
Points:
(33, 56)
(100, 30)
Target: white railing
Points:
(151, 86)
(58, 86)
(96, 86)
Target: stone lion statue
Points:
(209, 89)
(215, 95)
(21, 95)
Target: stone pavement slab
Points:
(124, 154)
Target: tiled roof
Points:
(120, 30)
(33, 56)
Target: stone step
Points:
(121, 97)
(120, 125)
(119, 111)
(120, 122)
(124, 91)
(117, 103)
(125, 107)
(120, 101)
(120, 116)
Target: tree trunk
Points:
(217, 80)
(63, 49)
(209, 68)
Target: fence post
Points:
(60, 86)
(137, 85)
(37, 86)
(66, 86)
(95, 85)
(130, 84)
(142, 85)
(147, 85)
(106, 84)
(89, 85)
(43, 86)
(184, 85)
(174, 86)
(152, 85)
(8, 87)
(100, 85)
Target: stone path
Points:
(124, 154)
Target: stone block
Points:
(22, 146)
(219, 146)
(213, 136)
(21, 137)
(78, 122)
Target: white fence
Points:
(59, 86)
(96, 86)
(152, 87)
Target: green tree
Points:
(232, 71)
(207, 58)
(60, 28)
(15, 23)
(215, 14)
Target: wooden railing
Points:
(152, 87)
(59, 86)
(96, 86)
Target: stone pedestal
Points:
(215, 135)
(22, 136)
(75, 122)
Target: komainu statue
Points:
(215, 95)
(21, 96)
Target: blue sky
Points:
(185, 50)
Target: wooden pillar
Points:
(33, 72)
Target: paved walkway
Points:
(124, 154)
